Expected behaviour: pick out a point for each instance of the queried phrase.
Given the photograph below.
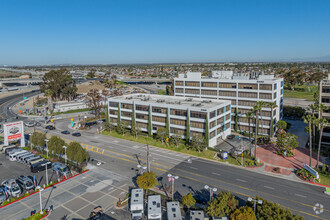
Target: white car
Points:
(29, 124)
(13, 188)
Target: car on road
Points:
(65, 132)
(3, 196)
(37, 124)
(76, 134)
(12, 187)
(50, 127)
(29, 124)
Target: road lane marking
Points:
(194, 168)
(244, 181)
(268, 187)
(216, 174)
(300, 195)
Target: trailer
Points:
(137, 205)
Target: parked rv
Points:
(33, 157)
(154, 207)
(35, 161)
(173, 211)
(137, 203)
(37, 167)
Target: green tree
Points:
(94, 101)
(188, 200)
(188, 127)
(147, 181)
(321, 123)
(55, 145)
(75, 152)
(197, 143)
(175, 138)
(249, 116)
(281, 126)
(310, 120)
(162, 134)
(38, 139)
(91, 73)
(286, 142)
(149, 122)
(243, 213)
(118, 117)
(272, 105)
(109, 126)
(133, 123)
(261, 105)
(223, 205)
(236, 120)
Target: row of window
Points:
(227, 93)
(226, 85)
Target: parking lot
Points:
(13, 169)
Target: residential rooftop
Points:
(172, 100)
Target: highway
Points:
(122, 156)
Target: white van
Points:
(19, 157)
(33, 157)
(22, 158)
(20, 154)
(137, 203)
(12, 155)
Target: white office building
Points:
(152, 112)
(242, 89)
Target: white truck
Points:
(137, 205)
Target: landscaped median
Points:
(181, 147)
(32, 192)
(324, 179)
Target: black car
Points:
(50, 127)
(65, 132)
(76, 134)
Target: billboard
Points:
(14, 131)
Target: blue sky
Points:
(36, 32)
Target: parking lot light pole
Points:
(172, 178)
(45, 164)
(46, 140)
(65, 147)
(141, 169)
(30, 141)
(255, 203)
(211, 190)
(40, 189)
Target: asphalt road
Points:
(122, 156)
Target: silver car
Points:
(3, 196)
(13, 188)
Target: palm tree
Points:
(321, 109)
(310, 120)
(321, 124)
(313, 108)
(271, 105)
(262, 104)
(256, 110)
(249, 116)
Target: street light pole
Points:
(172, 179)
(46, 164)
(65, 147)
(211, 190)
(40, 189)
(46, 140)
(255, 203)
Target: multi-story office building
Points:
(242, 89)
(178, 112)
(325, 99)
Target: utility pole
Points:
(148, 162)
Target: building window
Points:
(212, 114)
(126, 122)
(227, 108)
(141, 125)
(212, 124)
(178, 131)
(178, 122)
(141, 116)
(246, 103)
(194, 114)
(191, 83)
(227, 93)
(159, 110)
(219, 130)
(159, 119)
(113, 112)
(178, 112)
(265, 87)
(192, 91)
(247, 94)
(209, 84)
(113, 120)
(195, 124)
(282, 83)
(179, 83)
(209, 92)
(113, 104)
(275, 94)
(265, 96)
(281, 91)
(227, 85)
(275, 86)
(126, 106)
(220, 120)
(227, 126)
(196, 134)
(126, 114)
(178, 90)
(144, 108)
(227, 117)
(212, 134)
(219, 111)
(325, 89)
(248, 86)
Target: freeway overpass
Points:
(30, 81)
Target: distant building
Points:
(159, 109)
(325, 99)
(242, 89)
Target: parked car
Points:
(65, 132)
(3, 196)
(62, 169)
(29, 124)
(37, 124)
(50, 127)
(12, 187)
(25, 182)
(76, 134)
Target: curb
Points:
(318, 184)
(255, 166)
(44, 189)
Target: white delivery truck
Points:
(137, 205)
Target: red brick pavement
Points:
(267, 153)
